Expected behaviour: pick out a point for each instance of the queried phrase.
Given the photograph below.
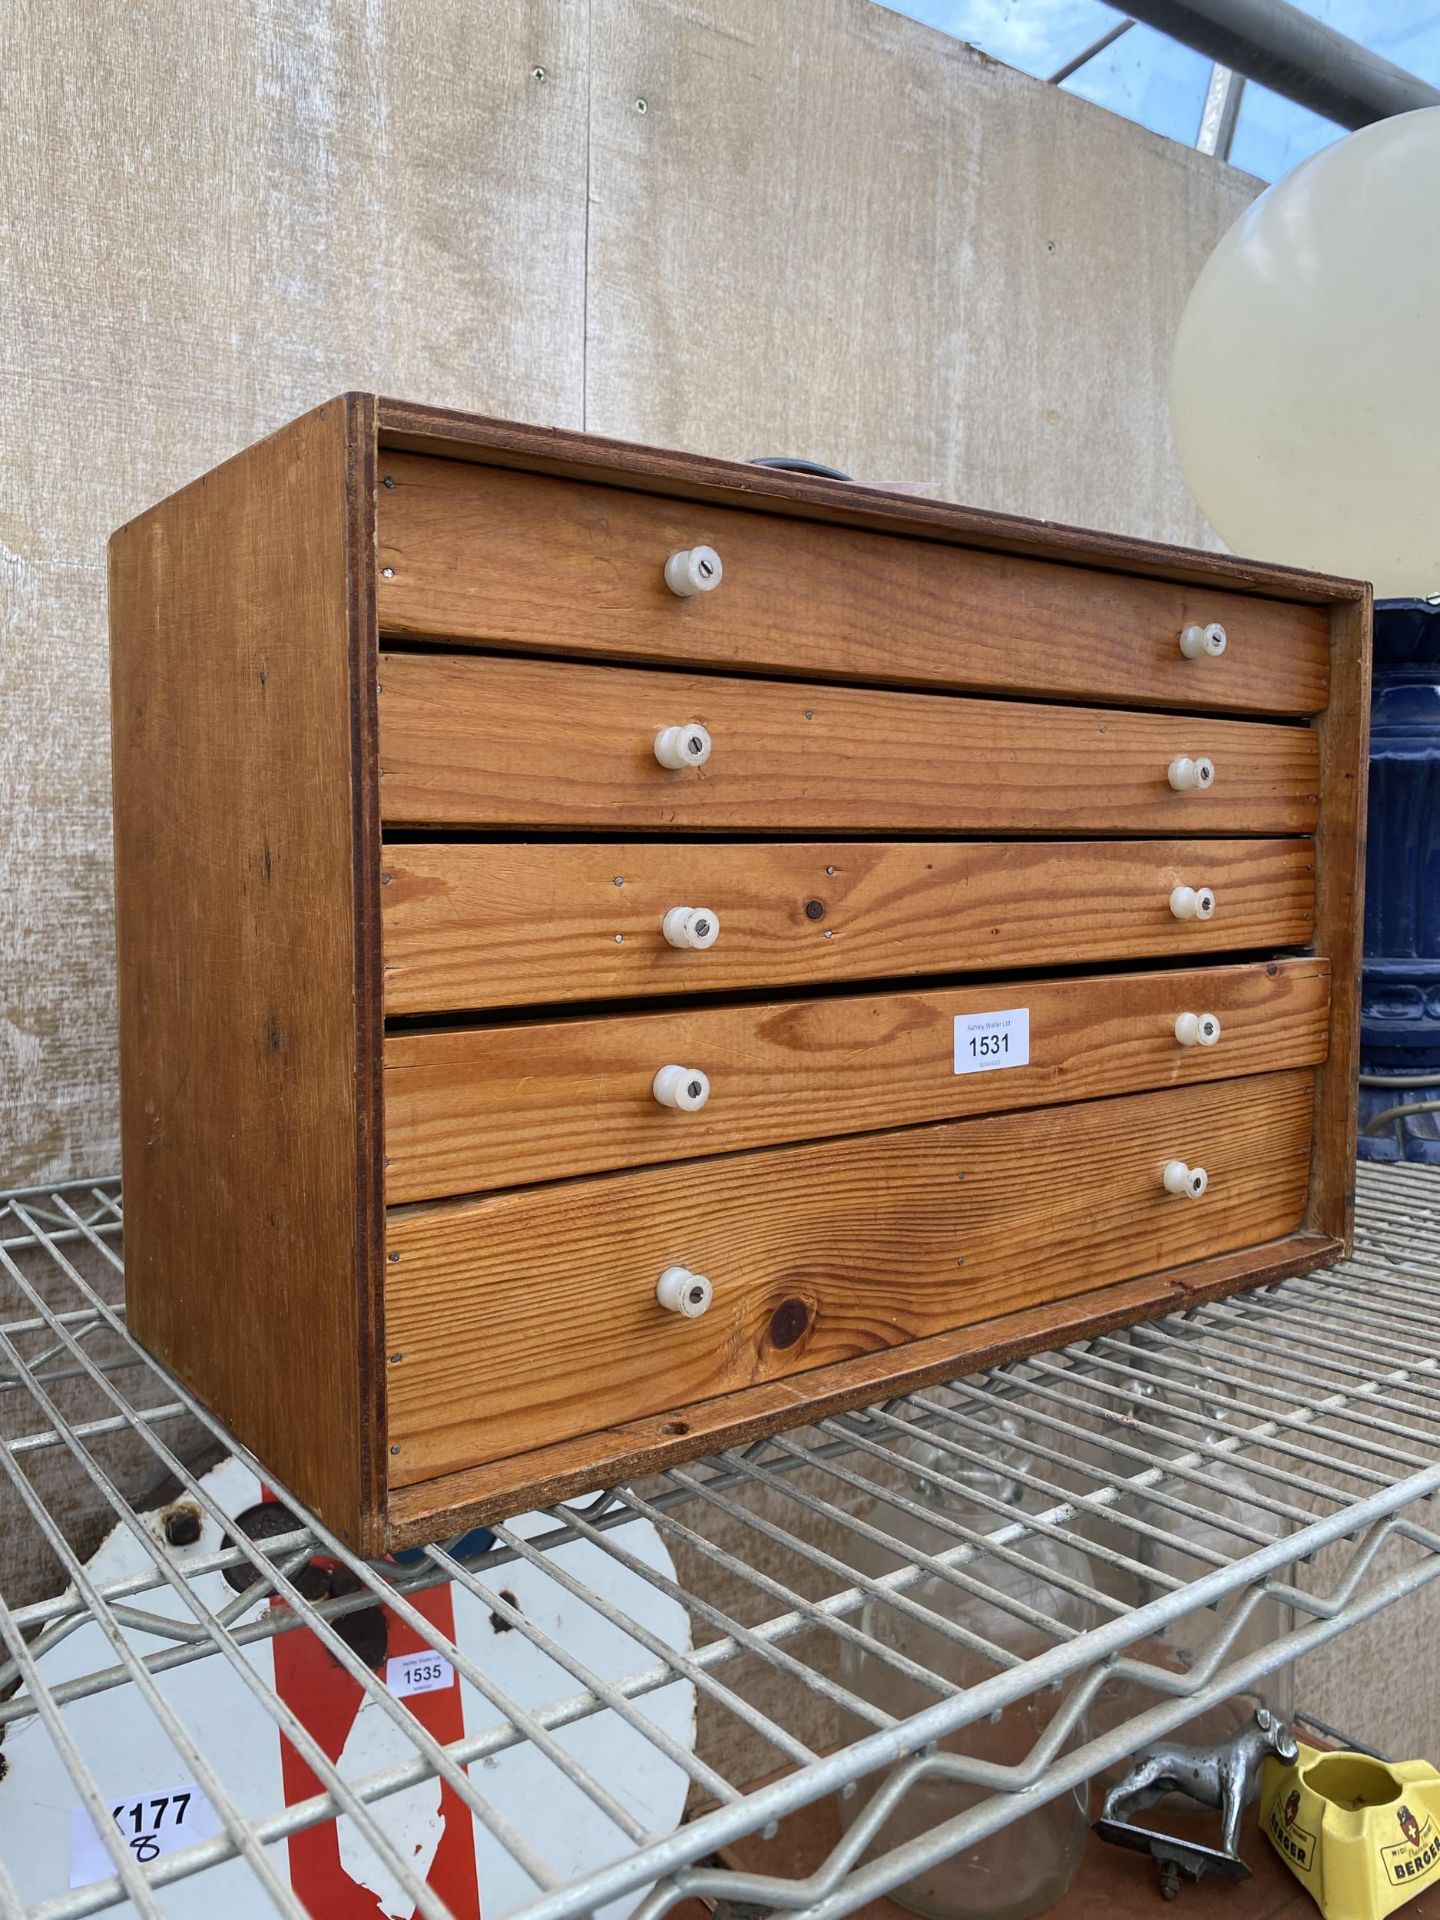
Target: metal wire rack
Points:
(1243, 1483)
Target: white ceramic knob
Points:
(1203, 643)
(680, 1291)
(1178, 1178)
(1197, 1029)
(693, 570)
(677, 747)
(684, 1087)
(690, 927)
(1192, 903)
(1191, 776)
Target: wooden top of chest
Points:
(563, 452)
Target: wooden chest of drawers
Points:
(620, 952)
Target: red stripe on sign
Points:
(326, 1700)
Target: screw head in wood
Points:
(680, 1291)
(697, 927)
(687, 746)
(1187, 775)
(1197, 1029)
(693, 570)
(1203, 643)
(1192, 903)
(1177, 1177)
(685, 1088)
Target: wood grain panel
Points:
(471, 1496)
(493, 1107)
(530, 1317)
(1344, 737)
(495, 924)
(483, 742)
(481, 555)
(246, 830)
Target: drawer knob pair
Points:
(685, 1088)
(1178, 1178)
(677, 747)
(1187, 775)
(1192, 903)
(680, 1291)
(693, 570)
(1197, 1029)
(1203, 643)
(690, 927)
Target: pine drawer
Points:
(508, 924)
(482, 556)
(476, 741)
(530, 1318)
(501, 1106)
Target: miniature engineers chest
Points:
(623, 952)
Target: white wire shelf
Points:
(739, 1603)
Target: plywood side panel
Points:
(474, 741)
(487, 1107)
(500, 924)
(247, 919)
(529, 1318)
(1344, 736)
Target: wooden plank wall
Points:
(940, 243)
(837, 233)
(220, 217)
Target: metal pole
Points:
(1089, 53)
(1220, 112)
(1285, 50)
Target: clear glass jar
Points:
(1026, 1867)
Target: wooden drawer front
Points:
(532, 1316)
(493, 925)
(467, 741)
(473, 553)
(500, 1106)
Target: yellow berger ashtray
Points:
(1360, 1835)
